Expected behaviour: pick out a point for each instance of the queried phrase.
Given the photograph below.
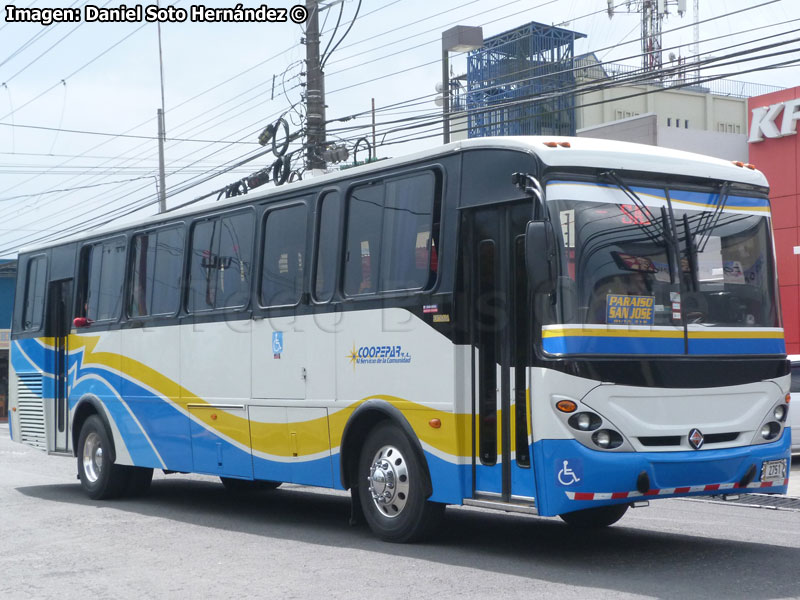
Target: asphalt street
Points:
(190, 538)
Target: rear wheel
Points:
(390, 487)
(595, 518)
(246, 485)
(100, 477)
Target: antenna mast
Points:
(653, 13)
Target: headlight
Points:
(585, 421)
(607, 439)
(770, 431)
(780, 412)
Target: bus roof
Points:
(582, 152)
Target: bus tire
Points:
(248, 485)
(101, 478)
(595, 518)
(390, 487)
(139, 479)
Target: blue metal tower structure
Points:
(521, 83)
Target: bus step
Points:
(516, 507)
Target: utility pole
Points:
(162, 133)
(162, 189)
(315, 91)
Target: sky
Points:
(63, 84)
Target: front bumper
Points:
(573, 477)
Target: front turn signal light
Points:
(566, 406)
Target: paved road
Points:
(189, 538)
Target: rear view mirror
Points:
(539, 256)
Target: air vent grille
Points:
(30, 408)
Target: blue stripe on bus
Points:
(736, 346)
(451, 482)
(654, 345)
(700, 200)
(587, 344)
(707, 200)
(139, 448)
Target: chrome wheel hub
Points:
(388, 481)
(92, 457)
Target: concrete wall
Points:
(648, 129)
(683, 108)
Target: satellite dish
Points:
(439, 87)
(438, 101)
(672, 56)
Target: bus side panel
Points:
(151, 368)
(393, 356)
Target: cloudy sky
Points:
(223, 83)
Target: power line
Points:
(113, 135)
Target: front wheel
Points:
(390, 487)
(595, 518)
(100, 477)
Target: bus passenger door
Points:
(500, 327)
(59, 301)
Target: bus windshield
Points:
(658, 258)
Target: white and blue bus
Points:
(554, 326)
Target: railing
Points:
(685, 77)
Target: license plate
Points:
(773, 470)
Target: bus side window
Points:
(408, 246)
(392, 237)
(102, 273)
(34, 293)
(221, 261)
(363, 249)
(284, 256)
(157, 263)
(327, 247)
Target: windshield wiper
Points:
(691, 252)
(640, 205)
(709, 220)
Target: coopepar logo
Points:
(378, 355)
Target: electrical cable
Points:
(344, 35)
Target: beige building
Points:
(708, 118)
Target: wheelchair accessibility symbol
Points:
(570, 474)
(277, 343)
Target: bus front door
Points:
(500, 324)
(59, 300)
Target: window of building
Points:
(669, 122)
(102, 273)
(327, 246)
(36, 279)
(686, 124)
(392, 231)
(157, 263)
(221, 262)
(284, 256)
(677, 123)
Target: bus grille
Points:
(30, 408)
